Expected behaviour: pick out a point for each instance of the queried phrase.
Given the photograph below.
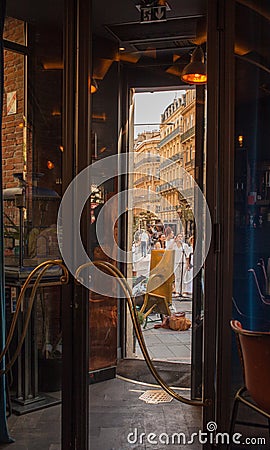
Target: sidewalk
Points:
(169, 345)
(142, 265)
(164, 344)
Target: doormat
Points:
(155, 397)
(174, 374)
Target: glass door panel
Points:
(252, 171)
(103, 309)
(32, 189)
(252, 163)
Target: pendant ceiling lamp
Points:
(195, 71)
(94, 86)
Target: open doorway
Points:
(162, 227)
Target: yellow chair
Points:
(158, 296)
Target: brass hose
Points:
(63, 280)
(132, 308)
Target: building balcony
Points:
(187, 194)
(174, 184)
(169, 137)
(151, 198)
(188, 134)
(147, 159)
(168, 209)
(171, 160)
(144, 179)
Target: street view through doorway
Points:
(162, 225)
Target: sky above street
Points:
(149, 106)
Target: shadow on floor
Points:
(118, 416)
(174, 374)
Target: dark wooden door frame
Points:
(76, 141)
(219, 191)
(198, 295)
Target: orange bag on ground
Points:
(177, 322)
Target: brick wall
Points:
(12, 127)
(17, 158)
(14, 30)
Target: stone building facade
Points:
(146, 176)
(177, 152)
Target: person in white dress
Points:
(169, 237)
(181, 254)
(188, 278)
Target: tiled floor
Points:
(119, 420)
(38, 430)
(117, 411)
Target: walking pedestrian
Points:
(144, 242)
